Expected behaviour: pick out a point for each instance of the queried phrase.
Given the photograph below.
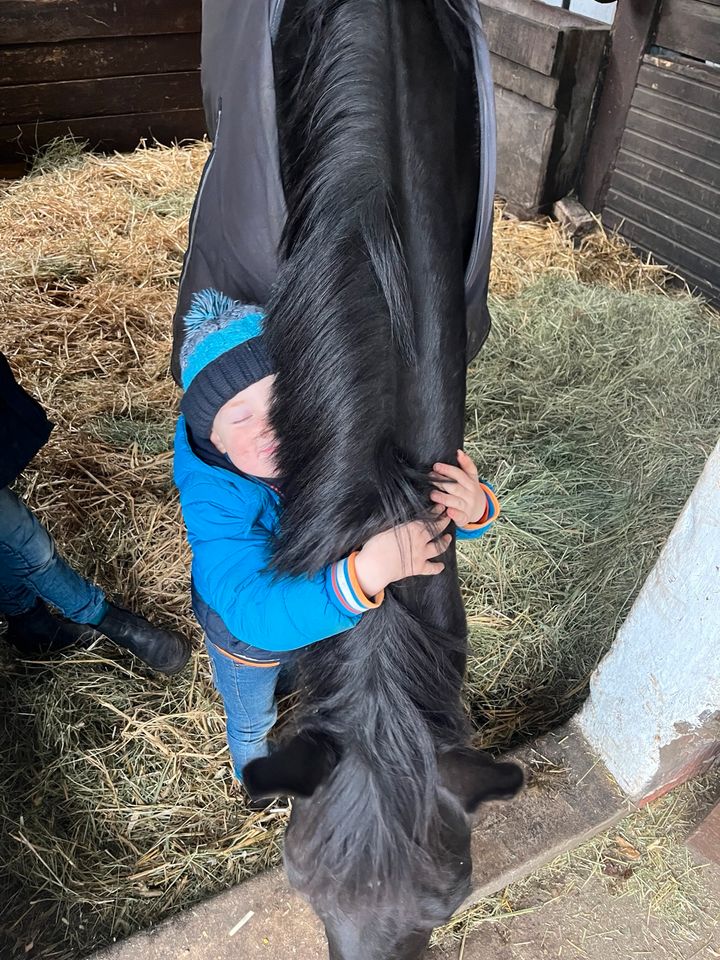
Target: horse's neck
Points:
(380, 209)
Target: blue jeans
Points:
(248, 694)
(30, 568)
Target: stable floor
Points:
(590, 924)
(637, 892)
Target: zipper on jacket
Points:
(479, 255)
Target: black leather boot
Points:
(38, 631)
(160, 649)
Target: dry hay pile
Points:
(591, 408)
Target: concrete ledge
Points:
(570, 797)
(279, 924)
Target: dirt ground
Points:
(566, 912)
(591, 923)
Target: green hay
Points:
(148, 436)
(590, 408)
(174, 204)
(120, 805)
(593, 411)
(60, 152)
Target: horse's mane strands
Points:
(339, 324)
(341, 307)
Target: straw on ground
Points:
(591, 408)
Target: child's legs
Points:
(30, 567)
(248, 694)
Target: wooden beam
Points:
(684, 80)
(544, 13)
(527, 42)
(705, 840)
(85, 59)
(578, 71)
(690, 27)
(631, 34)
(524, 140)
(675, 158)
(655, 193)
(523, 81)
(665, 107)
(49, 21)
(668, 241)
(672, 176)
(697, 143)
(111, 95)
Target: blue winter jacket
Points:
(230, 520)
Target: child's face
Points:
(241, 429)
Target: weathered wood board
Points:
(690, 27)
(118, 132)
(51, 21)
(114, 57)
(107, 71)
(664, 193)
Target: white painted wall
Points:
(661, 678)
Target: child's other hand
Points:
(402, 551)
(462, 496)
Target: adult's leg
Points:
(32, 571)
(31, 567)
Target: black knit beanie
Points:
(222, 354)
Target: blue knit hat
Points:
(223, 353)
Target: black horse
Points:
(380, 120)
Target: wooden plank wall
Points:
(107, 71)
(690, 27)
(114, 71)
(546, 63)
(664, 193)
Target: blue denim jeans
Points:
(248, 694)
(31, 568)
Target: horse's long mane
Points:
(365, 403)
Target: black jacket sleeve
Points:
(24, 426)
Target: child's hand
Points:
(402, 551)
(462, 497)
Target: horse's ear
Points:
(473, 776)
(295, 770)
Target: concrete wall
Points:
(654, 710)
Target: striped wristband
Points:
(347, 587)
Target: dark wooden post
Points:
(631, 34)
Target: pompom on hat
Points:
(223, 353)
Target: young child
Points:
(231, 498)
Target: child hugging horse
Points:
(231, 497)
(349, 192)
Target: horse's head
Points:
(395, 922)
(371, 909)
